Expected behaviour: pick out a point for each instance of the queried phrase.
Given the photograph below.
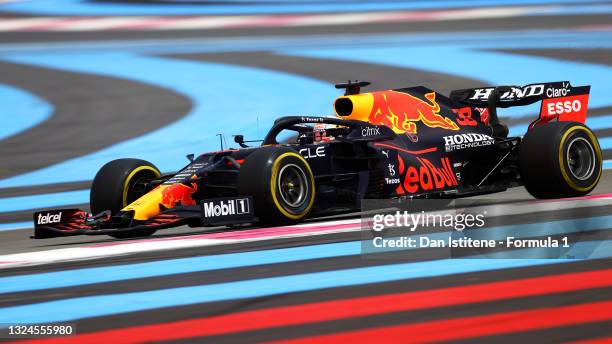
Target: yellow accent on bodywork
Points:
(142, 207)
(147, 206)
(274, 177)
(362, 106)
(566, 177)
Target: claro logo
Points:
(49, 218)
(426, 176)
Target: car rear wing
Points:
(560, 100)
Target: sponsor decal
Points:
(556, 92)
(513, 94)
(312, 152)
(48, 218)
(187, 172)
(426, 176)
(392, 181)
(401, 111)
(392, 173)
(464, 117)
(224, 208)
(484, 115)
(312, 119)
(219, 210)
(463, 141)
(566, 109)
(562, 107)
(370, 131)
(178, 194)
(385, 153)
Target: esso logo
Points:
(559, 108)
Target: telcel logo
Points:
(224, 208)
(49, 218)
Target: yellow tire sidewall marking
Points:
(129, 178)
(566, 177)
(273, 180)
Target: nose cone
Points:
(147, 206)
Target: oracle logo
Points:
(426, 176)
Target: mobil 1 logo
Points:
(227, 210)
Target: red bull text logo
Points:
(426, 176)
(178, 194)
(400, 111)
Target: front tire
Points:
(116, 186)
(281, 183)
(560, 159)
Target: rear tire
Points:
(113, 188)
(560, 159)
(281, 183)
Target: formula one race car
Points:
(404, 143)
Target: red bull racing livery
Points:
(404, 143)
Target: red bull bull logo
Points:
(176, 194)
(401, 111)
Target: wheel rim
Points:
(581, 158)
(135, 187)
(293, 186)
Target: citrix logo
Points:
(370, 131)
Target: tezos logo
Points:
(462, 141)
(392, 173)
(49, 218)
(224, 208)
(370, 131)
(312, 152)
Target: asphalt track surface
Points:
(294, 283)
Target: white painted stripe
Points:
(209, 22)
(20, 24)
(107, 23)
(97, 252)
(483, 13)
(341, 19)
(317, 228)
(218, 22)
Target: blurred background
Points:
(83, 82)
